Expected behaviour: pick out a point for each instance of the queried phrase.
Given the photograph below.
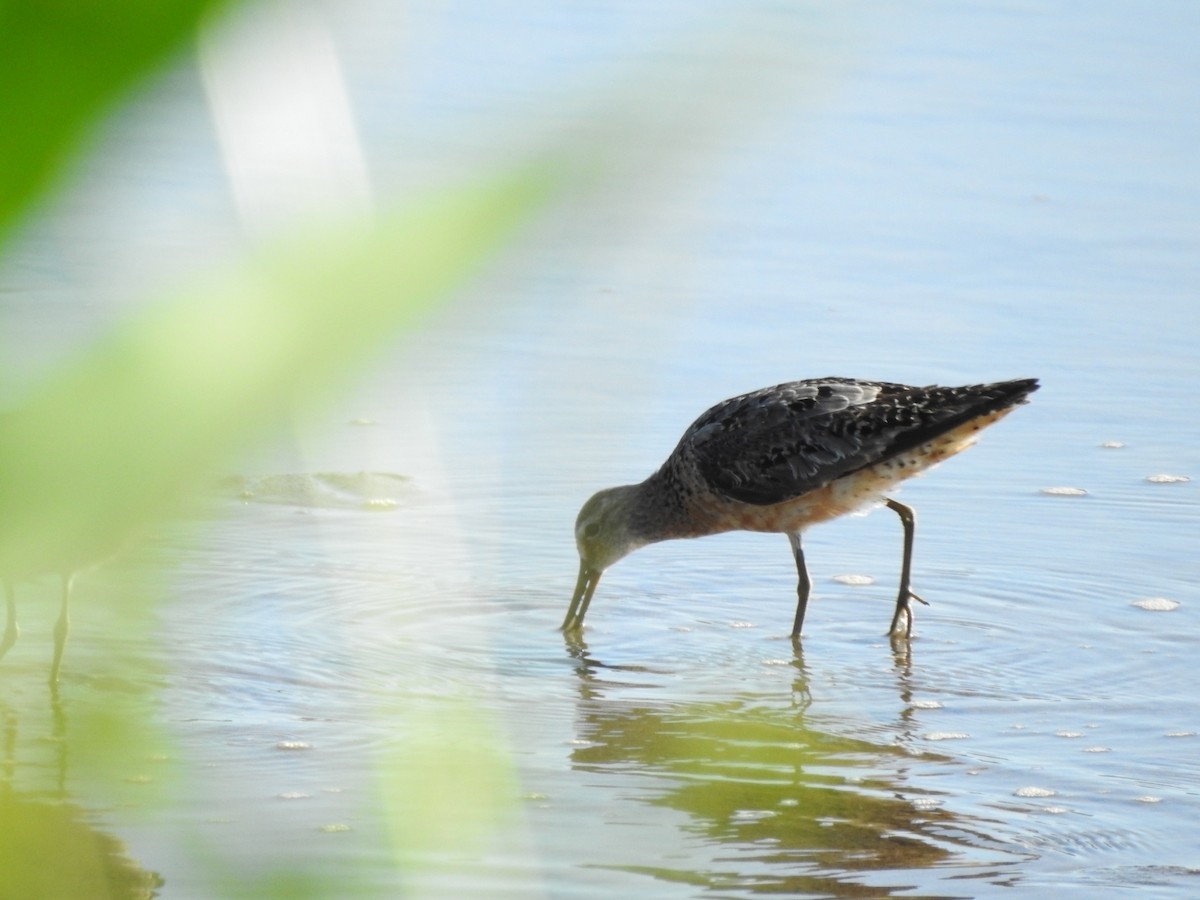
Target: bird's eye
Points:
(591, 529)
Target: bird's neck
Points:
(659, 509)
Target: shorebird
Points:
(62, 625)
(786, 457)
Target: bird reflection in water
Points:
(50, 845)
(793, 804)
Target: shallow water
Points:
(373, 697)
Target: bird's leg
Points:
(61, 628)
(11, 631)
(903, 609)
(803, 584)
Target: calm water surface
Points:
(374, 697)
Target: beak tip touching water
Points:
(585, 587)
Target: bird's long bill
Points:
(584, 588)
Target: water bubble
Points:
(854, 579)
(1113, 445)
(381, 503)
(1064, 492)
(1168, 479)
(1156, 604)
(946, 736)
(751, 815)
(1034, 792)
(293, 745)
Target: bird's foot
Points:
(904, 614)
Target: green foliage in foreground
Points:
(118, 435)
(63, 64)
(115, 438)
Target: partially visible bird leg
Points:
(11, 631)
(803, 585)
(61, 629)
(903, 608)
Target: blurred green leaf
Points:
(116, 437)
(448, 783)
(63, 64)
(304, 884)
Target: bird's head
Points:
(603, 534)
(603, 531)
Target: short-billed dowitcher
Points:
(786, 457)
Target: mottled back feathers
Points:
(779, 442)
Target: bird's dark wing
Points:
(777, 443)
